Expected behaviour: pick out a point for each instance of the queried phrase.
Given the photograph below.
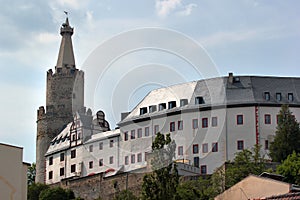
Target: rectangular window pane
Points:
(73, 153)
(139, 157)
(195, 148)
(203, 169)
(111, 160)
(290, 97)
(100, 145)
(266, 144)
(62, 171)
(73, 168)
(126, 160)
(267, 96)
(267, 119)
(195, 123)
(204, 148)
(240, 144)
(132, 136)
(91, 164)
(62, 157)
(51, 160)
(180, 125)
(91, 148)
(204, 122)
(126, 136)
(111, 143)
(196, 161)
(133, 158)
(278, 96)
(214, 121)
(140, 133)
(156, 129)
(101, 162)
(215, 147)
(146, 131)
(180, 150)
(50, 175)
(239, 119)
(172, 126)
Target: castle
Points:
(210, 120)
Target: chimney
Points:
(230, 77)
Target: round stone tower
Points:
(64, 96)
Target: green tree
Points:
(34, 190)
(162, 183)
(290, 168)
(245, 163)
(56, 193)
(126, 195)
(195, 189)
(287, 138)
(31, 174)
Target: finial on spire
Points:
(66, 13)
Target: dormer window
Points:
(278, 96)
(267, 96)
(162, 106)
(236, 79)
(152, 108)
(290, 97)
(199, 100)
(183, 102)
(171, 104)
(143, 110)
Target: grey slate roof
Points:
(220, 92)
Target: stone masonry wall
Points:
(93, 187)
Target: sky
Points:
(246, 37)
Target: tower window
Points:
(214, 147)
(111, 143)
(132, 158)
(73, 153)
(91, 148)
(62, 171)
(214, 121)
(199, 100)
(204, 122)
(203, 169)
(73, 168)
(50, 175)
(100, 162)
(266, 144)
(126, 160)
(196, 161)
(100, 145)
(132, 136)
(172, 126)
(278, 96)
(139, 133)
(180, 125)
(156, 129)
(146, 131)
(126, 136)
(204, 148)
(111, 160)
(195, 123)
(62, 157)
(51, 160)
(195, 148)
(91, 164)
(180, 150)
(139, 157)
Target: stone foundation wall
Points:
(93, 187)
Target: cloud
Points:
(164, 7)
(188, 10)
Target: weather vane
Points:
(66, 13)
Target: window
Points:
(266, 144)
(195, 123)
(100, 145)
(51, 160)
(204, 122)
(183, 102)
(195, 148)
(180, 150)
(171, 104)
(278, 96)
(50, 175)
(277, 119)
(143, 110)
(111, 143)
(100, 162)
(132, 158)
(204, 148)
(146, 131)
(156, 129)
(139, 133)
(139, 157)
(290, 97)
(172, 126)
(62, 171)
(91, 148)
(240, 145)
(126, 160)
(239, 119)
(267, 96)
(180, 125)
(132, 136)
(267, 119)
(62, 157)
(196, 161)
(126, 136)
(152, 108)
(91, 164)
(73, 168)
(162, 106)
(214, 147)
(73, 153)
(111, 160)
(199, 100)
(214, 121)
(203, 169)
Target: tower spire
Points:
(65, 55)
